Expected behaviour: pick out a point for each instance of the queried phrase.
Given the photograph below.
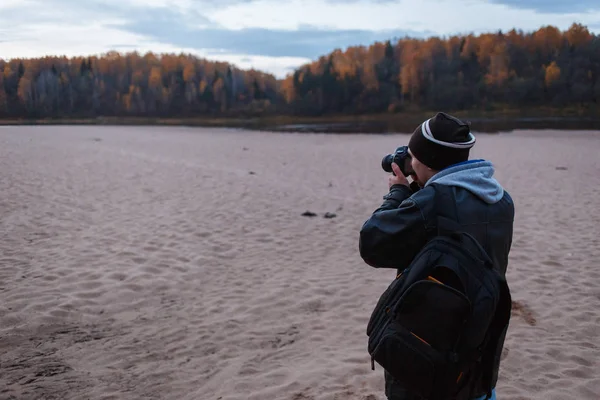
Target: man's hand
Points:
(398, 179)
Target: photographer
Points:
(438, 153)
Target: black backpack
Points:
(439, 327)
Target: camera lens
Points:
(386, 163)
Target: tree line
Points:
(130, 85)
(544, 68)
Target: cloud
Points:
(97, 30)
(553, 6)
(272, 35)
(308, 42)
(6, 4)
(441, 17)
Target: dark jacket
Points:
(399, 228)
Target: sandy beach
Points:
(175, 263)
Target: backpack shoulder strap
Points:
(445, 210)
(447, 222)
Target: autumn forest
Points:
(545, 68)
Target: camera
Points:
(400, 157)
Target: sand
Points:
(174, 263)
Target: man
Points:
(399, 228)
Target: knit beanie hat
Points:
(441, 141)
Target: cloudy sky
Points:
(272, 35)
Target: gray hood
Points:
(476, 176)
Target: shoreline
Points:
(484, 122)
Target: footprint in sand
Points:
(89, 295)
(552, 263)
(151, 249)
(152, 270)
(92, 284)
(522, 310)
(118, 276)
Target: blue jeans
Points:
(395, 391)
(491, 398)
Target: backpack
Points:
(439, 327)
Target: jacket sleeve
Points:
(396, 231)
